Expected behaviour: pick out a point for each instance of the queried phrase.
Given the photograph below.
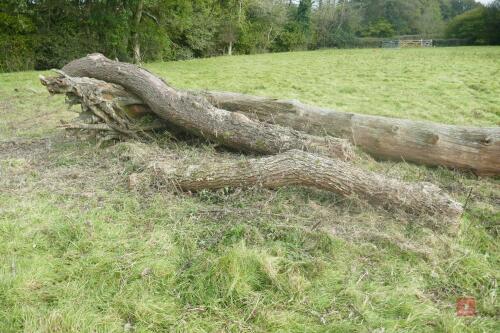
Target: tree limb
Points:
(196, 115)
(294, 167)
(458, 147)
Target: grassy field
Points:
(81, 253)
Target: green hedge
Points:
(17, 52)
(28, 52)
(45, 51)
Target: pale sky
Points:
(484, 1)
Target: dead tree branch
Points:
(300, 168)
(457, 147)
(196, 115)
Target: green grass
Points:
(455, 85)
(81, 253)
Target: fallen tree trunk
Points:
(110, 107)
(195, 114)
(466, 148)
(458, 147)
(295, 167)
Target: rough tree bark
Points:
(110, 107)
(459, 147)
(468, 148)
(196, 115)
(296, 167)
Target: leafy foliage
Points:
(48, 33)
(481, 24)
(381, 28)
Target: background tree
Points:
(492, 23)
(45, 34)
(233, 13)
(431, 20)
(136, 46)
(480, 24)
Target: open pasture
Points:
(79, 252)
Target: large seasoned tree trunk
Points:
(296, 167)
(468, 148)
(195, 114)
(110, 107)
(460, 147)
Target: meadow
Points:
(79, 252)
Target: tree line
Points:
(41, 34)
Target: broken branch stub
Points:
(107, 108)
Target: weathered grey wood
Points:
(109, 103)
(107, 108)
(458, 147)
(196, 115)
(295, 167)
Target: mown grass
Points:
(81, 253)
